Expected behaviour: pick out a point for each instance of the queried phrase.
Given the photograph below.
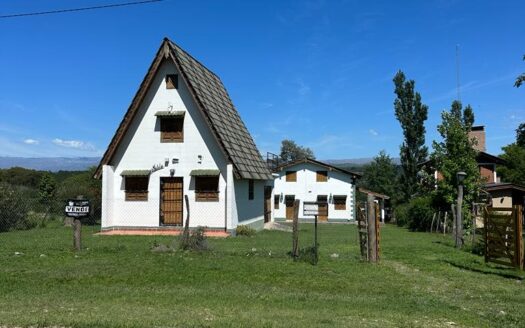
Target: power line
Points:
(80, 9)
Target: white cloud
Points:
(31, 142)
(373, 132)
(76, 144)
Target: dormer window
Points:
(171, 126)
(172, 81)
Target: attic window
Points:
(171, 129)
(291, 176)
(172, 81)
(322, 176)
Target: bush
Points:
(401, 215)
(307, 254)
(416, 215)
(243, 230)
(13, 210)
(196, 240)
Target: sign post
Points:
(77, 209)
(313, 209)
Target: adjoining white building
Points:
(182, 136)
(308, 180)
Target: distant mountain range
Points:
(50, 163)
(82, 163)
(356, 161)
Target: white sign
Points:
(77, 209)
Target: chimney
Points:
(478, 133)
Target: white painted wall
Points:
(249, 211)
(141, 149)
(307, 189)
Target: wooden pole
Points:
(445, 224)
(432, 224)
(77, 231)
(295, 231)
(372, 245)
(459, 220)
(454, 225)
(316, 258)
(77, 234)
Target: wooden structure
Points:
(503, 236)
(368, 223)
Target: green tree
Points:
(411, 114)
(514, 155)
(381, 176)
(290, 151)
(514, 168)
(520, 135)
(456, 153)
(47, 188)
(520, 79)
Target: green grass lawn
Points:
(117, 281)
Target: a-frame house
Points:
(180, 136)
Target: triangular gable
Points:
(354, 175)
(214, 104)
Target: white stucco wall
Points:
(307, 189)
(141, 149)
(248, 211)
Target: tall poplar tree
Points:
(411, 114)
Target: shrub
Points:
(416, 215)
(243, 230)
(401, 215)
(13, 210)
(194, 241)
(307, 254)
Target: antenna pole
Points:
(457, 71)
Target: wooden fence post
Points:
(372, 242)
(77, 231)
(295, 228)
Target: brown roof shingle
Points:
(217, 108)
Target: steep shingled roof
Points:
(215, 105)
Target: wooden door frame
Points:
(161, 224)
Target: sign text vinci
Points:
(77, 208)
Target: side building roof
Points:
(214, 103)
(281, 167)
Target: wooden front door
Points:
(323, 207)
(267, 203)
(289, 200)
(171, 196)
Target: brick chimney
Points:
(478, 133)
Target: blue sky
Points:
(318, 72)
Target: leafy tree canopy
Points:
(381, 176)
(290, 151)
(520, 135)
(456, 153)
(520, 79)
(47, 188)
(411, 114)
(513, 170)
